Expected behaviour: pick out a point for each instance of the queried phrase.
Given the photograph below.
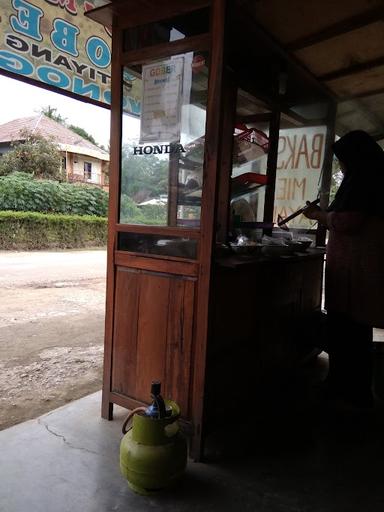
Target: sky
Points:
(23, 100)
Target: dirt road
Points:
(52, 308)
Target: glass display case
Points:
(199, 161)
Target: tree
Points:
(52, 114)
(145, 177)
(337, 177)
(83, 133)
(33, 154)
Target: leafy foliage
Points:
(55, 116)
(82, 133)
(143, 178)
(34, 155)
(337, 178)
(52, 113)
(154, 215)
(27, 230)
(20, 192)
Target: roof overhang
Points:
(131, 13)
(84, 151)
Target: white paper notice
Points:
(162, 101)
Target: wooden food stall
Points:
(232, 131)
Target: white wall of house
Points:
(79, 162)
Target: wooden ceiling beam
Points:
(337, 29)
(149, 53)
(352, 70)
(250, 23)
(276, 103)
(368, 113)
(360, 95)
(132, 13)
(254, 118)
(372, 116)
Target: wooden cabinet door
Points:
(153, 333)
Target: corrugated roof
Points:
(47, 128)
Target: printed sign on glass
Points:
(299, 166)
(162, 101)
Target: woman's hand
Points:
(314, 212)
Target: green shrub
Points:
(33, 154)
(31, 230)
(154, 215)
(20, 192)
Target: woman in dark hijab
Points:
(354, 277)
(362, 161)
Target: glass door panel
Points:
(162, 152)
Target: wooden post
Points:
(113, 218)
(274, 128)
(208, 221)
(226, 157)
(173, 187)
(327, 170)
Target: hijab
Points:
(362, 187)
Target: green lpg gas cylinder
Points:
(153, 453)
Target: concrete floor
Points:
(300, 457)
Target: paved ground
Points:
(52, 308)
(296, 456)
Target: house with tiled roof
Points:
(81, 160)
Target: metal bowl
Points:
(249, 249)
(276, 251)
(299, 245)
(306, 243)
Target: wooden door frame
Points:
(208, 218)
(113, 217)
(120, 59)
(208, 209)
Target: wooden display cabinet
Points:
(170, 303)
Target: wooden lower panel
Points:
(153, 334)
(179, 343)
(265, 320)
(265, 305)
(156, 264)
(311, 285)
(125, 331)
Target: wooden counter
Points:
(265, 319)
(236, 262)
